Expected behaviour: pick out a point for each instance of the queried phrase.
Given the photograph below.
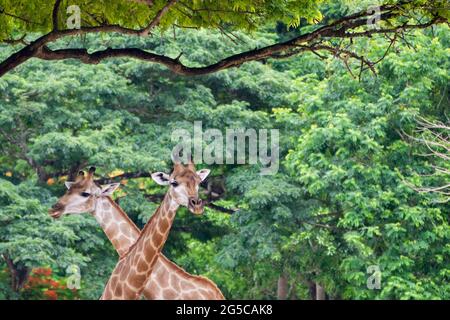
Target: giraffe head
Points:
(81, 195)
(183, 183)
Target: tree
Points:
(341, 204)
(319, 223)
(28, 236)
(115, 118)
(352, 161)
(141, 18)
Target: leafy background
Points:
(338, 204)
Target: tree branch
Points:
(337, 29)
(156, 20)
(159, 197)
(2, 11)
(435, 136)
(127, 175)
(220, 208)
(14, 42)
(55, 14)
(147, 2)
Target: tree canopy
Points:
(343, 200)
(21, 20)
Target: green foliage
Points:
(338, 204)
(115, 118)
(28, 233)
(351, 158)
(36, 16)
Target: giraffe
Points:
(129, 276)
(122, 233)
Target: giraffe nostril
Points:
(195, 201)
(57, 206)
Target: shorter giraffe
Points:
(85, 195)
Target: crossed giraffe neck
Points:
(131, 272)
(167, 280)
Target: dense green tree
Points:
(340, 202)
(61, 19)
(344, 205)
(57, 119)
(28, 237)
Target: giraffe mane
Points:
(142, 232)
(126, 217)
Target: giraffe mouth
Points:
(55, 213)
(197, 210)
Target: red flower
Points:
(43, 271)
(54, 283)
(51, 294)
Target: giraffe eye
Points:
(173, 183)
(85, 194)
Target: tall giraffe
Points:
(128, 278)
(123, 233)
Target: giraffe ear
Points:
(69, 184)
(161, 178)
(108, 189)
(203, 173)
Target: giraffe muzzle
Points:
(56, 210)
(196, 205)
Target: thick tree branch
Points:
(339, 29)
(19, 274)
(33, 49)
(398, 29)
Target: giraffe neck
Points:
(131, 273)
(118, 227)
(155, 232)
(122, 232)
